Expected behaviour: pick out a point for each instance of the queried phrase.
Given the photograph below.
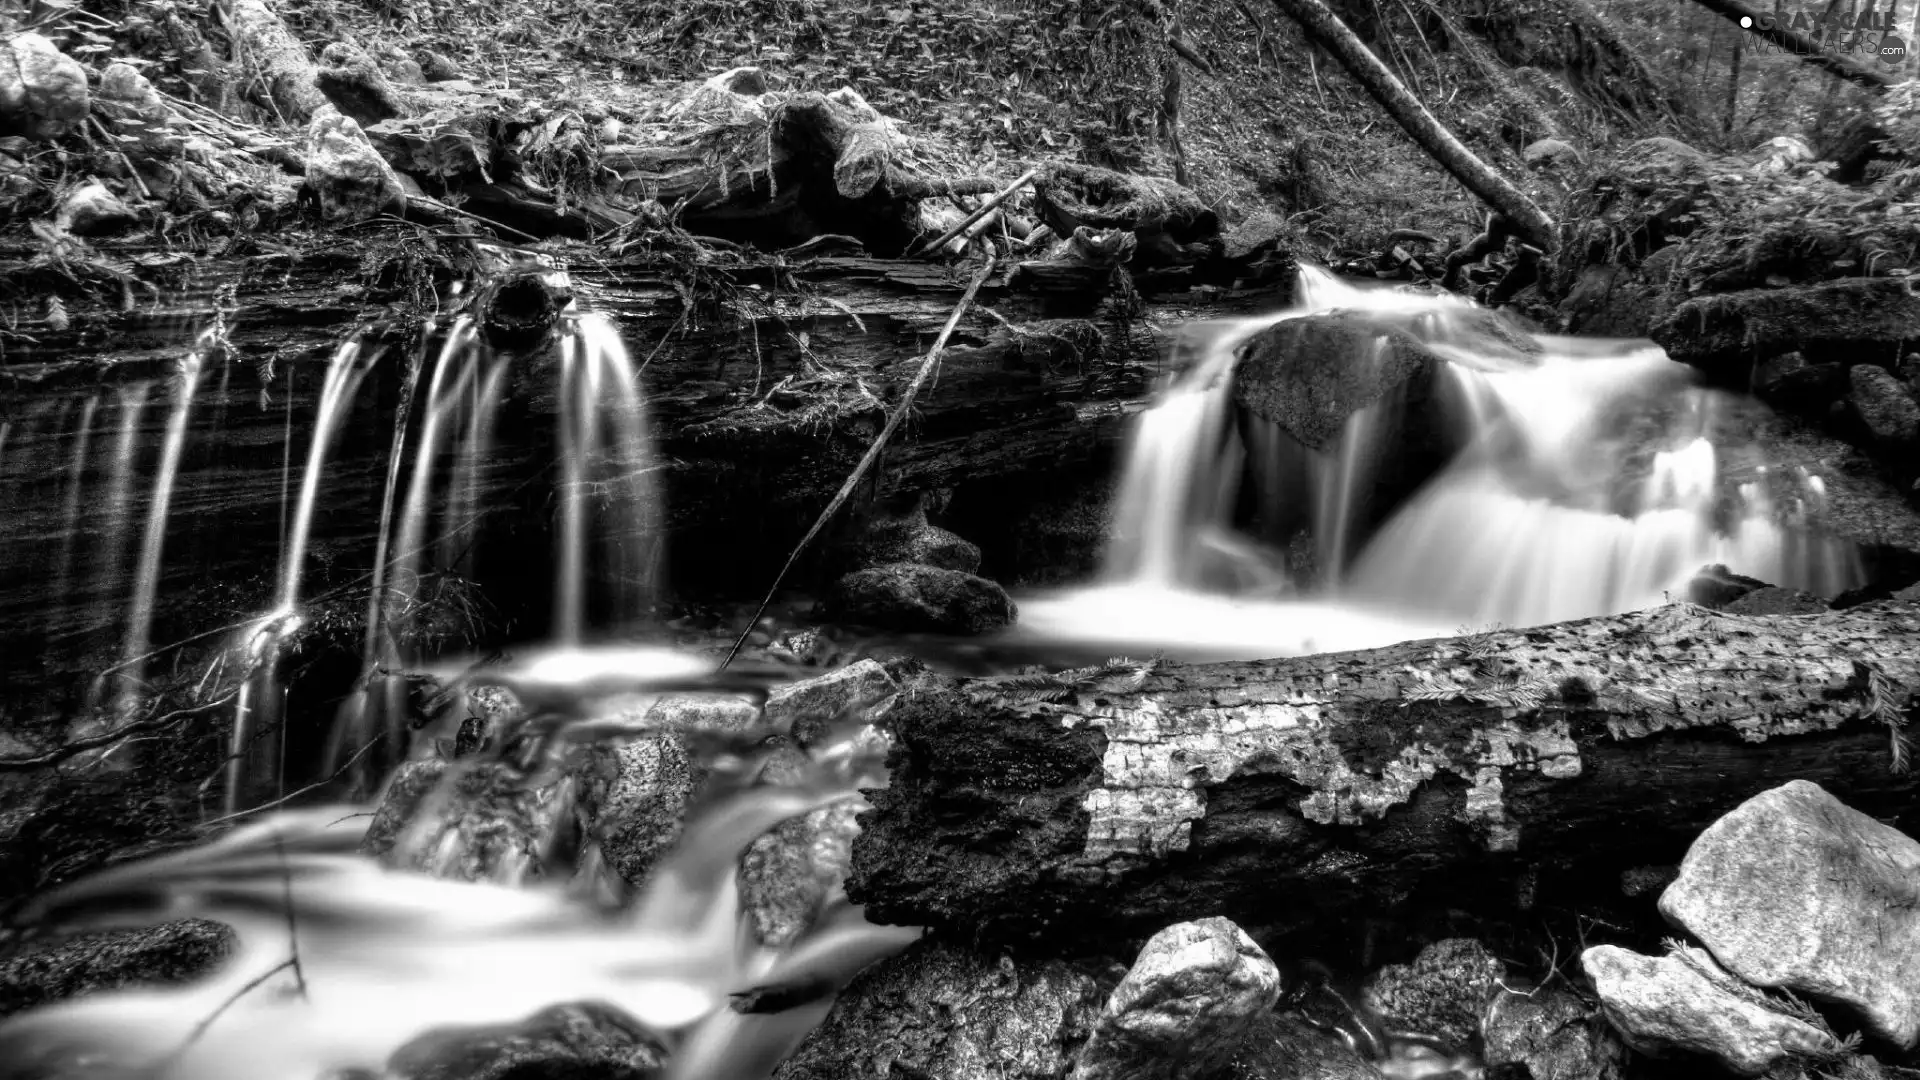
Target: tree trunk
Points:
(1770, 29)
(1323, 26)
(1474, 774)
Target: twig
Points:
(289, 797)
(293, 924)
(106, 738)
(435, 204)
(873, 451)
(978, 213)
(114, 145)
(252, 985)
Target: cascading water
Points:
(1584, 479)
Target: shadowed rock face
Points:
(1796, 890)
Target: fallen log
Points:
(1484, 774)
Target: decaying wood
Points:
(1771, 28)
(263, 41)
(1313, 791)
(1325, 28)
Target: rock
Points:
(1552, 1034)
(1716, 586)
(563, 1042)
(908, 538)
(1911, 592)
(1442, 993)
(1612, 301)
(92, 210)
(1725, 333)
(480, 822)
(354, 82)
(165, 954)
(346, 177)
(943, 1011)
(1684, 1002)
(1780, 153)
(1548, 153)
(43, 91)
(788, 875)
(123, 84)
(1662, 151)
(435, 67)
(1186, 1006)
(1773, 600)
(1801, 388)
(398, 66)
(1886, 409)
(810, 708)
(911, 598)
(1795, 890)
(1285, 1047)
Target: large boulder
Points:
(1725, 334)
(347, 179)
(164, 954)
(574, 1041)
(1797, 891)
(911, 598)
(43, 91)
(1683, 1003)
(1186, 1006)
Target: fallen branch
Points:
(978, 212)
(107, 738)
(1324, 27)
(873, 451)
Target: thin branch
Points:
(254, 984)
(978, 212)
(107, 738)
(293, 922)
(873, 451)
(289, 797)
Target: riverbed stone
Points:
(589, 1040)
(1725, 333)
(911, 598)
(1685, 1003)
(1797, 891)
(909, 537)
(93, 210)
(346, 177)
(1186, 1005)
(43, 91)
(1442, 993)
(164, 954)
(1552, 1035)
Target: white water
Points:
(1539, 516)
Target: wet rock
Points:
(943, 1011)
(810, 709)
(1282, 1047)
(1684, 1003)
(123, 86)
(1662, 150)
(912, 598)
(634, 797)
(1725, 333)
(907, 537)
(1773, 600)
(347, 179)
(1308, 375)
(1886, 409)
(1801, 388)
(1612, 301)
(1442, 993)
(162, 955)
(1716, 586)
(1553, 1035)
(788, 876)
(478, 821)
(1795, 890)
(436, 67)
(1185, 1007)
(563, 1042)
(353, 80)
(43, 91)
(92, 210)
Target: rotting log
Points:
(261, 40)
(1318, 792)
(1326, 29)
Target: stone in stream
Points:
(1443, 993)
(1725, 333)
(43, 91)
(1684, 1002)
(1797, 891)
(92, 210)
(1186, 1006)
(576, 1042)
(911, 598)
(1551, 1034)
(346, 177)
(1773, 600)
(905, 536)
(164, 954)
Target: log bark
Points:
(261, 39)
(1326, 29)
(1307, 794)
(1764, 24)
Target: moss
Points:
(1726, 333)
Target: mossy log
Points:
(1481, 774)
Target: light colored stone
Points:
(43, 91)
(346, 176)
(92, 210)
(1795, 890)
(1668, 1004)
(1185, 1007)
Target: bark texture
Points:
(1312, 791)
(1325, 28)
